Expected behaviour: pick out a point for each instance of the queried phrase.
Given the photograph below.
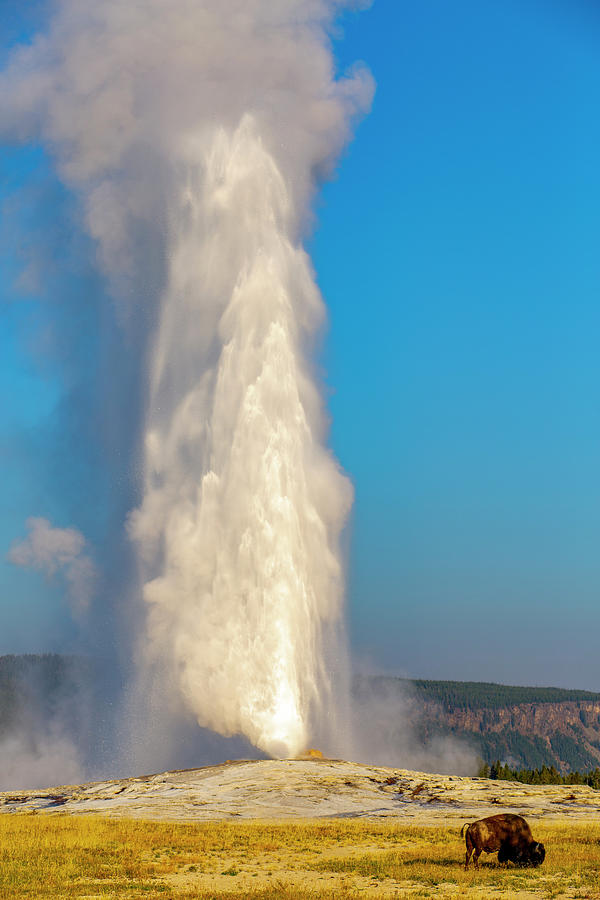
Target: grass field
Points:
(93, 857)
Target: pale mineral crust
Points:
(308, 789)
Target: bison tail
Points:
(466, 825)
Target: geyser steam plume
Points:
(241, 502)
(194, 132)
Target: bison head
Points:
(530, 855)
(533, 855)
(537, 854)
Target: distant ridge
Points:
(491, 695)
(522, 727)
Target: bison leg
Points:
(469, 844)
(476, 857)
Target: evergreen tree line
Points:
(486, 695)
(543, 775)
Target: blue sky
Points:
(457, 250)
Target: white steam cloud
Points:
(57, 551)
(38, 761)
(208, 124)
(388, 719)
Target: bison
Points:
(507, 834)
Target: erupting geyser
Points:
(241, 501)
(196, 131)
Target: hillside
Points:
(526, 727)
(488, 695)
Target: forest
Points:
(543, 775)
(486, 695)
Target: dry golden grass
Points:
(93, 857)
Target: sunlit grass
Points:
(94, 857)
(433, 857)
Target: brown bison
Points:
(506, 834)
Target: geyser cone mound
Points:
(308, 789)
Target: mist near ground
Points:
(56, 729)
(385, 730)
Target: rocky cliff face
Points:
(528, 735)
(530, 718)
